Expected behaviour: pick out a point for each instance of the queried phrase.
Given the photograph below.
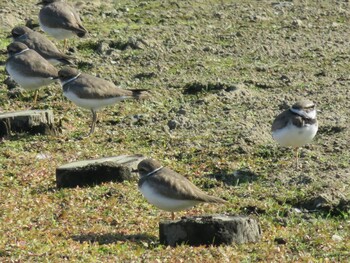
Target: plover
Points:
(60, 20)
(41, 44)
(296, 126)
(168, 190)
(27, 68)
(93, 93)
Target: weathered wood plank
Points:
(97, 171)
(209, 230)
(30, 121)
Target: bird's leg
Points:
(93, 124)
(296, 156)
(35, 96)
(65, 44)
(172, 216)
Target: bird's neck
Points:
(22, 51)
(64, 82)
(305, 115)
(154, 171)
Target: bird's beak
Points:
(134, 171)
(40, 3)
(9, 36)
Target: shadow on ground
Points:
(244, 175)
(108, 238)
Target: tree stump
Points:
(30, 121)
(209, 230)
(97, 171)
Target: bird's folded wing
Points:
(281, 120)
(91, 87)
(175, 186)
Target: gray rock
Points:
(337, 238)
(297, 23)
(172, 124)
(181, 111)
(209, 230)
(97, 171)
(139, 119)
(31, 121)
(103, 47)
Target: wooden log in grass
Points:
(209, 230)
(97, 171)
(29, 121)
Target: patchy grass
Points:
(218, 72)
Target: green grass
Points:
(222, 142)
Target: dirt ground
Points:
(219, 72)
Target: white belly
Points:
(92, 103)
(294, 136)
(57, 33)
(165, 203)
(26, 82)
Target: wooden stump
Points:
(31, 121)
(209, 230)
(97, 171)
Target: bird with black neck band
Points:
(168, 190)
(296, 126)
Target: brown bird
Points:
(60, 20)
(41, 44)
(296, 126)
(168, 190)
(26, 67)
(93, 93)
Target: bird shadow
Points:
(109, 238)
(237, 177)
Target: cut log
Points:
(97, 171)
(31, 121)
(209, 230)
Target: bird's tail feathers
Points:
(140, 93)
(81, 31)
(213, 199)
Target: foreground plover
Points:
(168, 190)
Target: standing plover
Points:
(60, 20)
(296, 126)
(93, 93)
(168, 190)
(30, 70)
